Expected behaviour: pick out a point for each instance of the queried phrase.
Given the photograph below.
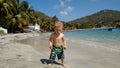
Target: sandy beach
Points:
(24, 51)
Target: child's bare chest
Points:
(57, 38)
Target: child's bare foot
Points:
(63, 65)
(50, 63)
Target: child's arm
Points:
(50, 42)
(64, 42)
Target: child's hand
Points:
(65, 47)
(50, 47)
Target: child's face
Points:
(58, 30)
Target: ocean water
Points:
(98, 38)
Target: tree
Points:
(16, 15)
(54, 18)
(118, 24)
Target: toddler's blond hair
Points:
(59, 25)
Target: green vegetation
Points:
(47, 23)
(1, 32)
(118, 24)
(15, 15)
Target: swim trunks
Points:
(57, 51)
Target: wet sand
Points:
(21, 52)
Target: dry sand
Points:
(16, 55)
(31, 54)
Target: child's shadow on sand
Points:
(46, 61)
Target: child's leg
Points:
(52, 58)
(62, 62)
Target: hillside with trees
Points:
(46, 22)
(103, 18)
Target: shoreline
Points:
(93, 28)
(34, 54)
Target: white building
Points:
(37, 27)
(34, 27)
(5, 30)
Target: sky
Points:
(68, 10)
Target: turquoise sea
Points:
(98, 38)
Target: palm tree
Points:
(2, 13)
(16, 14)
